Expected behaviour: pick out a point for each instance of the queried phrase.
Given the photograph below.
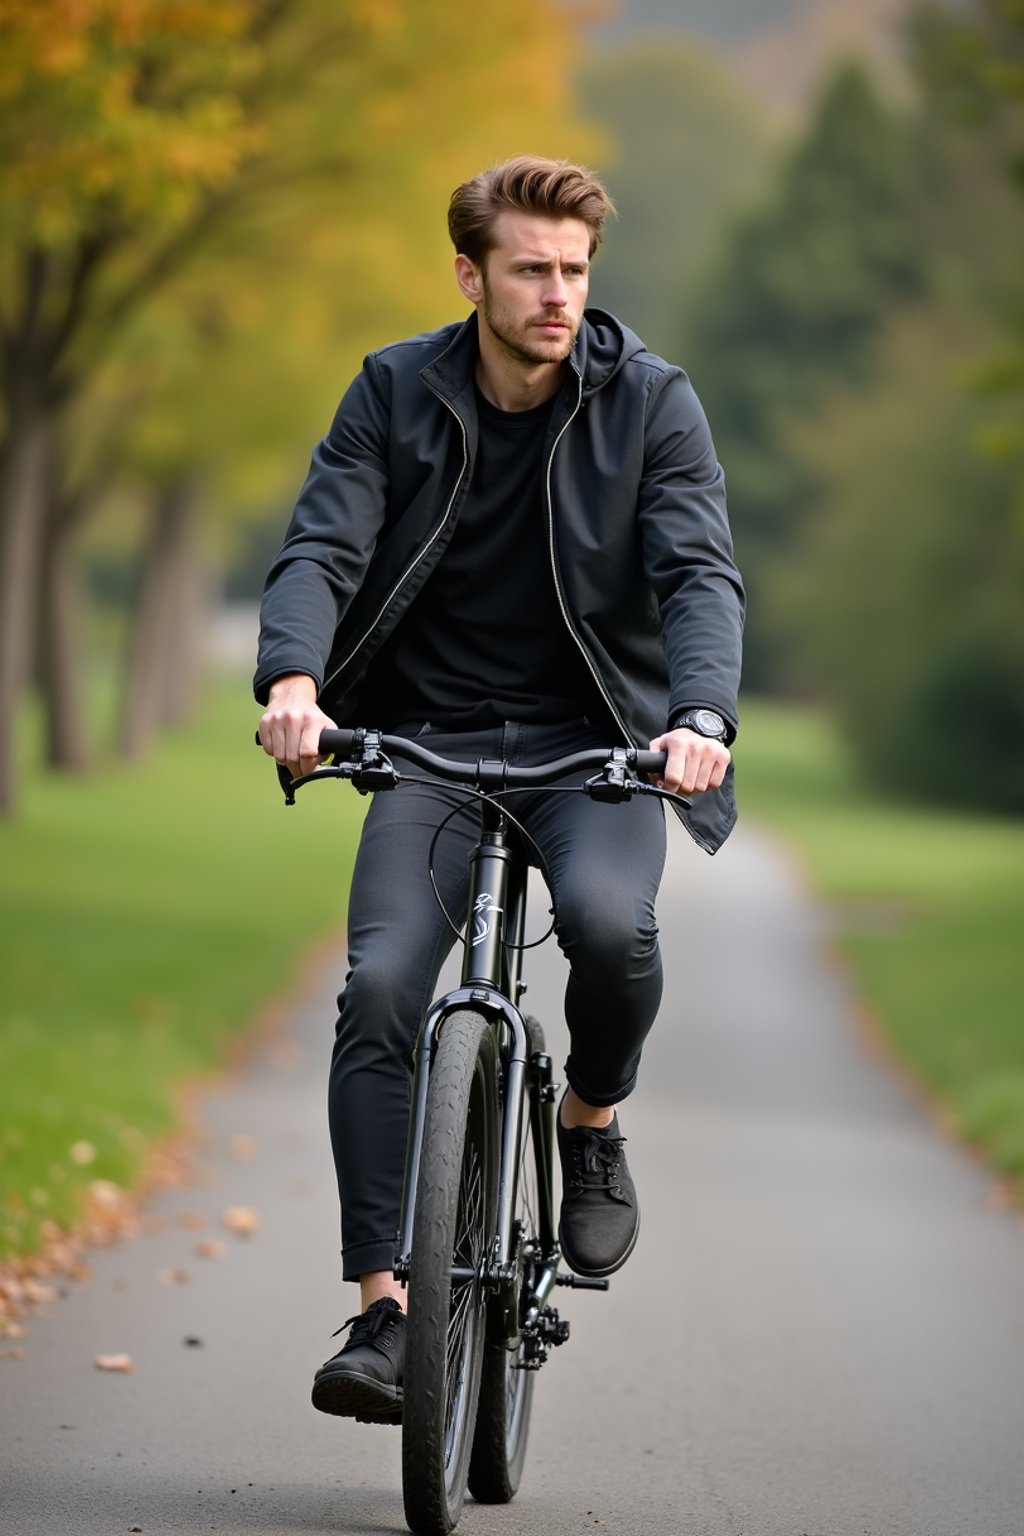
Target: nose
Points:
(556, 294)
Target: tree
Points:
(971, 68)
(688, 150)
(902, 588)
(794, 306)
(142, 144)
(903, 593)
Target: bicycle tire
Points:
(455, 1204)
(506, 1388)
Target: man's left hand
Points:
(695, 762)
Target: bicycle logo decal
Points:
(485, 914)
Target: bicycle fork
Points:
(490, 980)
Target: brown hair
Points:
(555, 189)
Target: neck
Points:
(512, 385)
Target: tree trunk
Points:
(22, 505)
(162, 667)
(183, 677)
(60, 637)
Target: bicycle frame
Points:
(491, 985)
(490, 981)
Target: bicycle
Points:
(477, 1244)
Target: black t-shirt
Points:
(485, 641)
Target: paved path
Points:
(821, 1333)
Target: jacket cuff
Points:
(264, 681)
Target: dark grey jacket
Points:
(641, 554)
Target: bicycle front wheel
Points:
(455, 1201)
(506, 1389)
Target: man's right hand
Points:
(291, 724)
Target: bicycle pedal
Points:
(582, 1282)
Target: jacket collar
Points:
(600, 348)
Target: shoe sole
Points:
(350, 1396)
(609, 1269)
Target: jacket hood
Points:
(602, 346)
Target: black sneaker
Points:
(364, 1379)
(600, 1218)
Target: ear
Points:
(469, 279)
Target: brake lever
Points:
(286, 782)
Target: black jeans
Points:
(603, 865)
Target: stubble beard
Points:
(517, 345)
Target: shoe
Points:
(364, 1379)
(600, 1217)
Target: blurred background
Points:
(209, 211)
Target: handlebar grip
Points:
(650, 762)
(337, 741)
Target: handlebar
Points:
(486, 774)
(366, 762)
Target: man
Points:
(513, 540)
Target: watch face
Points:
(708, 723)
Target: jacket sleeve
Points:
(330, 539)
(687, 551)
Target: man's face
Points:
(533, 286)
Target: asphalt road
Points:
(821, 1332)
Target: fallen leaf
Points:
(104, 1192)
(16, 1352)
(82, 1153)
(174, 1276)
(37, 1293)
(286, 1056)
(999, 1197)
(242, 1220)
(192, 1221)
(211, 1248)
(121, 1363)
(244, 1148)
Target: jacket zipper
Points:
(400, 583)
(554, 569)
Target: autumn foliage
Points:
(206, 208)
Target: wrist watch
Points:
(706, 722)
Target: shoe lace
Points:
(366, 1326)
(595, 1160)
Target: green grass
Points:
(930, 914)
(146, 915)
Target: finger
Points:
(702, 778)
(677, 769)
(309, 745)
(712, 770)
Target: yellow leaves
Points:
(106, 114)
